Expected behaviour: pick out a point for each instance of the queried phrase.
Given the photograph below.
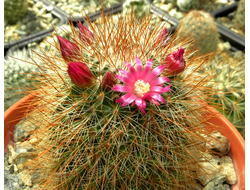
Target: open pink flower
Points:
(141, 85)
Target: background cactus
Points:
(187, 5)
(200, 26)
(85, 140)
(17, 75)
(14, 10)
(140, 7)
(239, 19)
(229, 81)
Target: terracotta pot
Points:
(237, 144)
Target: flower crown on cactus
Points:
(121, 107)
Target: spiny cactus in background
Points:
(229, 81)
(200, 26)
(14, 10)
(187, 5)
(14, 71)
(140, 7)
(144, 132)
(239, 19)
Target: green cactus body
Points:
(86, 140)
(14, 10)
(239, 20)
(200, 26)
(15, 75)
(187, 5)
(229, 81)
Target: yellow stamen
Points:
(141, 87)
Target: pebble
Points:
(228, 170)
(37, 18)
(217, 143)
(74, 8)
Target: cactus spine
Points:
(14, 10)
(229, 81)
(86, 140)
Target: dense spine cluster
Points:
(85, 138)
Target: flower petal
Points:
(124, 79)
(129, 100)
(155, 96)
(138, 67)
(156, 72)
(123, 98)
(160, 89)
(153, 101)
(123, 72)
(122, 88)
(159, 80)
(131, 69)
(148, 67)
(140, 104)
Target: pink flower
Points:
(174, 62)
(85, 34)
(141, 85)
(80, 74)
(109, 80)
(69, 49)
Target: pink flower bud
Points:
(80, 74)
(69, 49)
(162, 37)
(85, 34)
(109, 80)
(174, 62)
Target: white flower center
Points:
(141, 87)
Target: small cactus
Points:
(17, 75)
(140, 7)
(134, 133)
(200, 26)
(239, 19)
(229, 81)
(14, 10)
(187, 5)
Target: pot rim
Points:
(219, 122)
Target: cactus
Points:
(187, 5)
(15, 78)
(239, 19)
(229, 81)
(140, 7)
(91, 136)
(200, 26)
(14, 10)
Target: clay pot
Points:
(237, 144)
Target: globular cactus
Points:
(14, 10)
(229, 82)
(17, 75)
(140, 7)
(200, 26)
(239, 19)
(108, 117)
(187, 5)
